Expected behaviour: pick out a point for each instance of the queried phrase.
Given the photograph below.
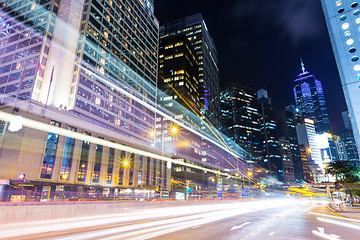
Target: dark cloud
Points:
(292, 20)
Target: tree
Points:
(345, 173)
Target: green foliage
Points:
(357, 192)
(344, 172)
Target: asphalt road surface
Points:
(241, 220)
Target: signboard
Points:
(180, 196)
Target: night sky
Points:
(260, 43)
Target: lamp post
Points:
(173, 130)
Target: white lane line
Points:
(272, 233)
(239, 226)
(344, 224)
(331, 216)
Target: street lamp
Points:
(173, 130)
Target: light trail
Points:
(336, 217)
(177, 218)
(7, 117)
(343, 224)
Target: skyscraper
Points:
(271, 155)
(240, 118)
(307, 140)
(287, 121)
(195, 29)
(179, 72)
(310, 100)
(343, 19)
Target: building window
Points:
(84, 158)
(354, 4)
(131, 169)
(352, 50)
(355, 58)
(68, 157)
(350, 41)
(357, 67)
(97, 164)
(110, 166)
(121, 170)
(345, 26)
(347, 33)
(50, 153)
(148, 161)
(140, 170)
(338, 3)
(154, 173)
(341, 10)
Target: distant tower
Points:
(310, 100)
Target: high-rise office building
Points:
(343, 19)
(310, 100)
(195, 29)
(307, 138)
(287, 120)
(179, 72)
(240, 118)
(287, 161)
(271, 155)
(75, 54)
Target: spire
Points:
(303, 67)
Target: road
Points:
(241, 220)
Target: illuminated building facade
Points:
(88, 68)
(310, 100)
(287, 161)
(240, 118)
(195, 29)
(287, 120)
(96, 60)
(308, 139)
(86, 49)
(271, 156)
(179, 72)
(343, 21)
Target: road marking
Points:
(321, 233)
(330, 216)
(272, 233)
(196, 226)
(344, 224)
(239, 226)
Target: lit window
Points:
(357, 20)
(347, 33)
(357, 67)
(355, 58)
(182, 83)
(338, 3)
(343, 17)
(345, 26)
(350, 41)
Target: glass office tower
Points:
(343, 22)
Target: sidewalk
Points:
(350, 212)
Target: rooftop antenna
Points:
(303, 66)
